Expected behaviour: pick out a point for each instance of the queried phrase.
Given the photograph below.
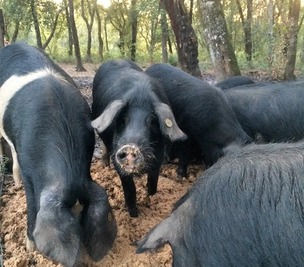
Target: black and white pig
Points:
(21, 54)
(246, 210)
(47, 123)
(270, 112)
(234, 81)
(132, 117)
(202, 112)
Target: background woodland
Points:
(226, 36)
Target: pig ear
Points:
(169, 230)
(57, 231)
(105, 119)
(98, 223)
(167, 122)
(157, 237)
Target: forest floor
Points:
(13, 209)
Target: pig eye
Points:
(154, 125)
(123, 120)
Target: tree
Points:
(134, 23)
(79, 66)
(218, 40)
(36, 23)
(99, 35)
(186, 40)
(53, 28)
(270, 11)
(17, 18)
(246, 23)
(69, 28)
(293, 19)
(2, 31)
(89, 7)
(44, 13)
(149, 26)
(164, 30)
(118, 17)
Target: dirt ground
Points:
(13, 209)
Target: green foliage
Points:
(173, 60)
(17, 13)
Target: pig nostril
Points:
(122, 155)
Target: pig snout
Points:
(130, 158)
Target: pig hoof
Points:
(133, 212)
(147, 201)
(180, 179)
(151, 191)
(18, 184)
(30, 245)
(17, 179)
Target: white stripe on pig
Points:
(7, 91)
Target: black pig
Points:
(134, 120)
(201, 111)
(246, 210)
(270, 112)
(46, 121)
(234, 81)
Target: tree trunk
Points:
(134, 22)
(15, 32)
(153, 35)
(99, 35)
(164, 31)
(186, 40)
(191, 10)
(79, 66)
(91, 10)
(106, 34)
(36, 23)
(218, 40)
(247, 31)
(121, 44)
(70, 38)
(2, 31)
(293, 38)
(270, 10)
(52, 31)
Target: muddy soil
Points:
(13, 208)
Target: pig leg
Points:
(151, 185)
(130, 194)
(154, 172)
(16, 168)
(187, 151)
(183, 161)
(152, 181)
(31, 217)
